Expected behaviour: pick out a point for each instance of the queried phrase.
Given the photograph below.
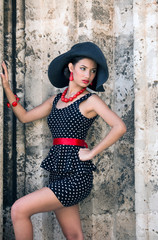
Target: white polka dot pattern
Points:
(70, 178)
(67, 122)
(70, 189)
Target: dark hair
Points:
(73, 61)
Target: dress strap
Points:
(56, 99)
(85, 97)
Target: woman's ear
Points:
(70, 66)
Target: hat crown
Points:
(84, 45)
(89, 50)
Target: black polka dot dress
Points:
(70, 178)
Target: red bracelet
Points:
(14, 104)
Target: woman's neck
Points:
(73, 90)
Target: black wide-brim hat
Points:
(84, 49)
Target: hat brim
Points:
(87, 50)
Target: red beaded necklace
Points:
(63, 99)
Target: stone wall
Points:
(32, 33)
(146, 118)
(1, 124)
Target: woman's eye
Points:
(94, 71)
(82, 68)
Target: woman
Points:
(70, 114)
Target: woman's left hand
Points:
(85, 154)
(4, 76)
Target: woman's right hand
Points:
(4, 76)
(24, 116)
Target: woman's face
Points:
(84, 71)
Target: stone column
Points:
(20, 89)
(9, 120)
(1, 123)
(146, 121)
(49, 32)
(123, 101)
(52, 28)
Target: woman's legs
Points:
(69, 220)
(43, 200)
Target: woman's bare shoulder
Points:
(95, 103)
(94, 98)
(51, 99)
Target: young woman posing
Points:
(70, 114)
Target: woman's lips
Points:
(85, 81)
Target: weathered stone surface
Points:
(1, 124)
(128, 38)
(146, 126)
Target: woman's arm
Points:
(97, 106)
(24, 116)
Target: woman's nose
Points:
(87, 74)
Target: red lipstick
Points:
(85, 81)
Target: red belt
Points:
(70, 141)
